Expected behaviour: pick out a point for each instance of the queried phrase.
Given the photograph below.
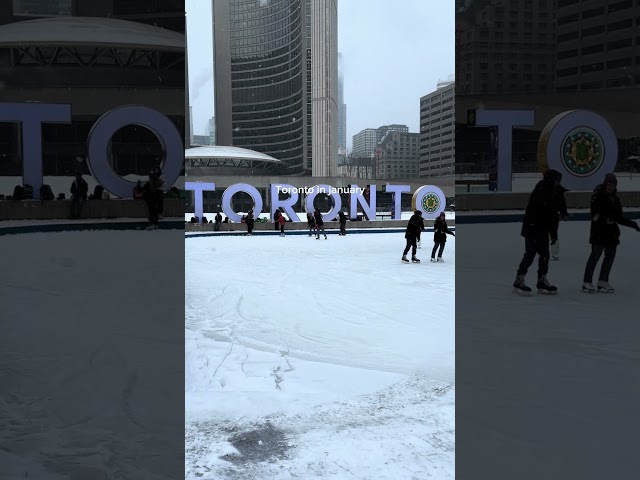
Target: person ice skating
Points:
(276, 219)
(159, 194)
(79, 191)
(319, 224)
(311, 221)
(250, 222)
(343, 223)
(440, 232)
(218, 221)
(411, 235)
(606, 215)
(542, 209)
(151, 191)
(281, 222)
(562, 214)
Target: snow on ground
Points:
(79, 393)
(318, 359)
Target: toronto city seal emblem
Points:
(582, 151)
(431, 202)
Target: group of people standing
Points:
(412, 234)
(546, 207)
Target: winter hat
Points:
(610, 178)
(417, 212)
(442, 214)
(552, 175)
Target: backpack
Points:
(46, 193)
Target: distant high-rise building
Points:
(382, 131)
(364, 142)
(595, 45)
(491, 32)
(437, 131)
(397, 156)
(190, 125)
(211, 130)
(276, 78)
(342, 109)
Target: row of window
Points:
(268, 72)
(594, 12)
(242, 30)
(269, 93)
(262, 81)
(266, 47)
(281, 108)
(265, 60)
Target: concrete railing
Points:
(518, 200)
(60, 209)
(270, 226)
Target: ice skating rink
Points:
(321, 358)
(528, 366)
(80, 396)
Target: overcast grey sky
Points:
(394, 53)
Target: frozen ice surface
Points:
(80, 396)
(332, 353)
(559, 369)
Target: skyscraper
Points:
(275, 80)
(342, 109)
(437, 131)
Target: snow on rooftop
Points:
(215, 151)
(90, 31)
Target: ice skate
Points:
(520, 287)
(433, 260)
(326, 238)
(415, 259)
(440, 260)
(404, 259)
(588, 287)
(554, 249)
(604, 287)
(545, 288)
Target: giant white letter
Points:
(504, 120)
(397, 191)
(315, 191)
(581, 145)
(101, 133)
(286, 204)
(358, 198)
(198, 188)
(231, 191)
(32, 116)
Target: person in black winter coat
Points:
(414, 227)
(606, 215)
(311, 221)
(562, 214)
(440, 231)
(79, 191)
(319, 224)
(218, 221)
(542, 210)
(250, 221)
(343, 223)
(276, 217)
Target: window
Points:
(627, 23)
(619, 44)
(43, 8)
(594, 12)
(568, 54)
(567, 36)
(591, 50)
(574, 17)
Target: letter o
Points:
(581, 145)
(315, 191)
(231, 191)
(109, 123)
(430, 200)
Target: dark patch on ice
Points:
(264, 444)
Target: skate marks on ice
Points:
(405, 431)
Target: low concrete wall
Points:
(518, 200)
(231, 227)
(59, 209)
